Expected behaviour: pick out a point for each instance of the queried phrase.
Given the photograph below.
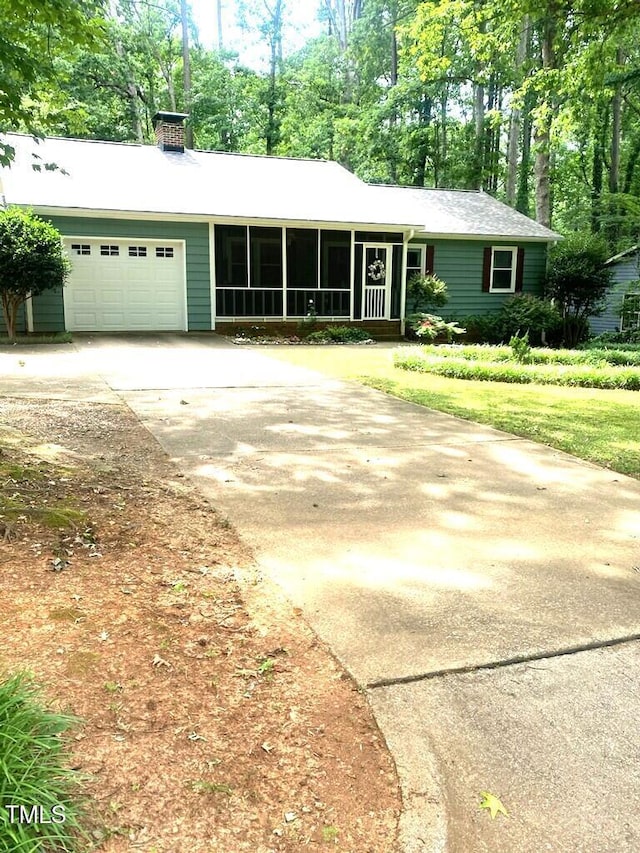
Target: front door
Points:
(376, 275)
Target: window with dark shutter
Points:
(429, 262)
(500, 269)
(520, 270)
(486, 270)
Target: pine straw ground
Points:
(212, 719)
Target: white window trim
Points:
(422, 248)
(514, 265)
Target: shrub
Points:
(521, 313)
(631, 336)
(483, 328)
(339, 335)
(33, 772)
(425, 292)
(431, 326)
(32, 260)
(577, 281)
(527, 313)
(521, 348)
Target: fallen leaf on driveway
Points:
(492, 803)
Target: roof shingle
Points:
(128, 178)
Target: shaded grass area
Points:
(601, 426)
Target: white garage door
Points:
(125, 285)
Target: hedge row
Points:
(585, 376)
(482, 352)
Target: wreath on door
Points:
(377, 270)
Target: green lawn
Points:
(601, 426)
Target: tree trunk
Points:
(10, 304)
(421, 150)
(186, 73)
(394, 56)
(491, 156)
(478, 120)
(597, 179)
(132, 89)
(515, 124)
(632, 162)
(444, 142)
(616, 124)
(522, 197)
(272, 94)
(615, 211)
(219, 24)
(542, 129)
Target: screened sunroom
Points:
(286, 273)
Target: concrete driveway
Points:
(484, 589)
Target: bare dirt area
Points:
(211, 717)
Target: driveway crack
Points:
(504, 662)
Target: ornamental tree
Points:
(577, 281)
(32, 260)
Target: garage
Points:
(120, 285)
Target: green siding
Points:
(48, 311)
(459, 264)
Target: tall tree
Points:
(31, 34)
(186, 71)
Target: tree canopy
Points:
(537, 103)
(34, 37)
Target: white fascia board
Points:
(421, 236)
(45, 210)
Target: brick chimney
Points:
(169, 129)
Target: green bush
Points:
(520, 314)
(529, 314)
(521, 348)
(586, 376)
(339, 335)
(631, 336)
(425, 292)
(33, 772)
(483, 328)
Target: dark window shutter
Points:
(520, 270)
(486, 270)
(429, 260)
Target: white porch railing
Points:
(374, 299)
